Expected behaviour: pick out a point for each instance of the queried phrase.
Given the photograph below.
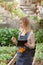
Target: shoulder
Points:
(31, 35)
(31, 32)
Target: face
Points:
(21, 24)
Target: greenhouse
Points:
(21, 32)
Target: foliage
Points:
(6, 35)
(18, 12)
(12, 8)
(35, 18)
(39, 45)
(39, 51)
(2, 63)
(6, 53)
(39, 36)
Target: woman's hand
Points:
(13, 40)
(27, 44)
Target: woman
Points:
(24, 52)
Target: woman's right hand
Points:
(13, 40)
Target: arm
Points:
(14, 40)
(31, 41)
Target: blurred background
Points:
(10, 13)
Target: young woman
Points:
(24, 52)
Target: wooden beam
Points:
(13, 60)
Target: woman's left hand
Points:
(27, 44)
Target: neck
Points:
(25, 31)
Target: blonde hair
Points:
(26, 22)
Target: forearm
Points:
(31, 46)
(31, 41)
(15, 42)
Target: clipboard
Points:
(21, 42)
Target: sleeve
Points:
(31, 40)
